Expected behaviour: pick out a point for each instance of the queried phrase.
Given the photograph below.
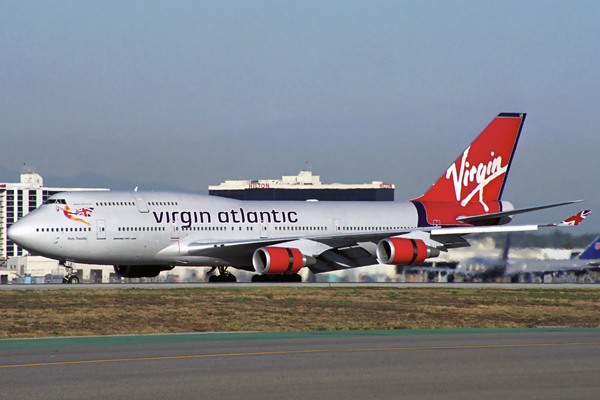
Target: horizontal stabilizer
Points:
(484, 217)
(464, 230)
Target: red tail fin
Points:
(480, 172)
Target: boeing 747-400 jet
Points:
(143, 233)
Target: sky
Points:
(187, 94)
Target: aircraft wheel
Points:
(261, 278)
(226, 277)
(450, 278)
(74, 279)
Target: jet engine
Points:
(279, 260)
(140, 271)
(404, 251)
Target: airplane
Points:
(487, 269)
(144, 233)
(581, 264)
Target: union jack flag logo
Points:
(85, 212)
(71, 213)
(577, 218)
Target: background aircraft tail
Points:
(592, 252)
(480, 172)
(505, 251)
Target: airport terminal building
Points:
(302, 187)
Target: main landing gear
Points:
(224, 275)
(277, 278)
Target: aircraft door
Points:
(336, 225)
(100, 229)
(141, 202)
(175, 228)
(264, 233)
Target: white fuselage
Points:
(141, 228)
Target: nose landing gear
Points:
(70, 276)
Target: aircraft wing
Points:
(335, 252)
(345, 251)
(360, 245)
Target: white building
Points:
(304, 186)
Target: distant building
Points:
(18, 199)
(304, 186)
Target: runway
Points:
(60, 286)
(449, 364)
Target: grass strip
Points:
(85, 312)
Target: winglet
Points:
(574, 220)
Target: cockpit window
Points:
(55, 201)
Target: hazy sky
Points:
(191, 93)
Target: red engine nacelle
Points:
(404, 251)
(278, 260)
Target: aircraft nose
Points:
(19, 232)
